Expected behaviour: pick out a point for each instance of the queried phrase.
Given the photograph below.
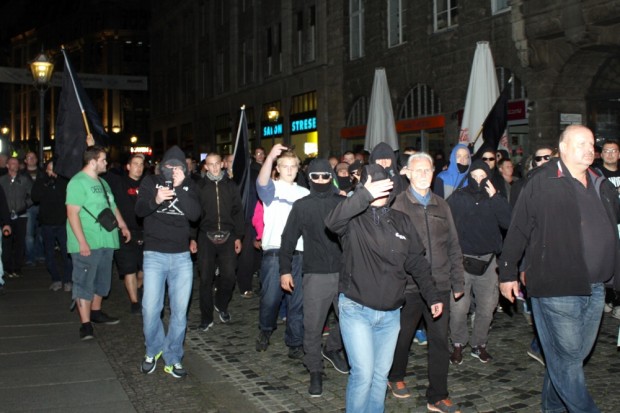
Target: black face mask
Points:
(166, 173)
(344, 182)
(321, 187)
(462, 168)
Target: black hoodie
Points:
(166, 225)
(384, 151)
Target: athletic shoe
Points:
(224, 315)
(68, 287)
(99, 317)
(149, 363)
(480, 353)
(399, 389)
(176, 370)
(444, 406)
(56, 286)
(248, 294)
(536, 356)
(86, 332)
(262, 341)
(296, 353)
(457, 355)
(205, 326)
(616, 312)
(420, 338)
(337, 360)
(608, 308)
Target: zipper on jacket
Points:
(428, 237)
(217, 198)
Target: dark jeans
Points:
(51, 234)
(271, 295)
(249, 260)
(568, 328)
(438, 349)
(320, 293)
(14, 246)
(211, 256)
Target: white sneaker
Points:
(68, 287)
(616, 312)
(608, 308)
(56, 286)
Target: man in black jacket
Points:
(50, 191)
(219, 240)
(380, 246)
(432, 219)
(565, 221)
(320, 269)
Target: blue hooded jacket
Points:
(447, 181)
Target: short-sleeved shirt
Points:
(86, 192)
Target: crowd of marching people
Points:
(395, 249)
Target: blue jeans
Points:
(271, 295)
(176, 271)
(567, 328)
(34, 244)
(51, 234)
(369, 338)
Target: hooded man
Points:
(455, 176)
(168, 203)
(380, 249)
(383, 155)
(478, 214)
(320, 269)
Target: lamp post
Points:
(42, 68)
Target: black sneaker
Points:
(224, 315)
(262, 341)
(205, 326)
(337, 360)
(136, 308)
(480, 352)
(316, 385)
(176, 370)
(296, 352)
(149, 363)
(86, 332)
(99, 317)
(457, 355)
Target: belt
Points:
(275, 253)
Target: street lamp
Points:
(42, 68)
(273, 114)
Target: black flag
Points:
(74, 109)
(241, 163)
(495, 123)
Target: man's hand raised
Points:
(380, 188)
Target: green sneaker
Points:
(176, 370)
(149, 363)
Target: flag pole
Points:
(238, 135)
(77, 95)
(473, 143)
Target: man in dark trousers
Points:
(320, 269)
(565, 221)
(219, 240)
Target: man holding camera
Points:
(90, 244)
(168, 203)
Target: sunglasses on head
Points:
(487, 159)
(541, 157)
(320, 175)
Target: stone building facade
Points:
(314, 62)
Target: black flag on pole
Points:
(495, 123)
(241, 163)
(74, 109)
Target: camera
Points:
(168, 184)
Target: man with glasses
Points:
(609, 168)
(278, 198)
(489, 156)
(320, 268)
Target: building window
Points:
(269, 52)
(219, 73)
(446, 14)
(279, 44)
(421, 101)
(359, 112)
(312, 35)
(500, 6)
(300, 37)
(395, 22)
(356, 29)
(303, 103)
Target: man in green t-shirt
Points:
(91, 246)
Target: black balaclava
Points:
(320, 165)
